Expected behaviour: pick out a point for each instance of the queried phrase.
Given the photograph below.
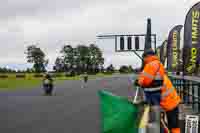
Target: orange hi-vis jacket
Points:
(154, 70)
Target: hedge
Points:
(3, 76)
(21, 76)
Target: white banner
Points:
(191, 124)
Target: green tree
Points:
(96, 58)
(7, 70)
(68, 57)
(82, 58)
(59, 65)
(4, 70)
(36, 56)
(28, 70)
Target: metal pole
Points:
(137, 54)
(155, 43)
(198, 97)
(115, 43)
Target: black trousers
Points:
(172, 118)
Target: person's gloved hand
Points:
(136, 83)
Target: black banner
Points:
(158, 52)
(163, 52)
(173, 48)
(191, 51)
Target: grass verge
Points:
(12, 83)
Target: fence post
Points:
(179, 87)
(188, 91)
(184, 91)
(198, 97)
(182, 85)
(192, 84)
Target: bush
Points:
(126, 69)
(124, 72)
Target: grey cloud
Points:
(30, 8)
(34, 7)
(55, 23)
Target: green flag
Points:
(118, 114)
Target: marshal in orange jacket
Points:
(154, 70)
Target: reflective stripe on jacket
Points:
(169, 97)
(154, 70)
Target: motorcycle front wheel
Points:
(48, 91)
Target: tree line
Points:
(74, 60)
(109, 69)
(9, 70)
(80, 59)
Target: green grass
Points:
(13, 84)
(99, 75)
(16, 84)
(68, 78)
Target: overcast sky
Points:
(53, 23)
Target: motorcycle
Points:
(48, 87)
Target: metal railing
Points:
(188, 88)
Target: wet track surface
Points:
(72, 110)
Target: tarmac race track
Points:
(72, 110)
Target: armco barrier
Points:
(188, 88)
